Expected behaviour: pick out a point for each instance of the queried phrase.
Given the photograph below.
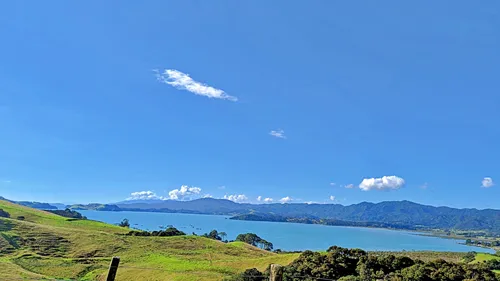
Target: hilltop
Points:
(39, 244)
(397, 214)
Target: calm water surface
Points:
(289, 236)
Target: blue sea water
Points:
(290, 236)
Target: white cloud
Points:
(424, 186)
(278, 134)
(349, 185)
(222, 187)
(333, 184)
(236, 197)
(268, 200)
(144, 195)
(6, 181)
(259, 198)
(207, 196)
(183, 192)
(383, 183)
(332, 198)
(286, 199)
(487, 182)
(183, 81)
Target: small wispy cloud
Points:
(349, 186)
(424, 186)
(268, 200)
(332, 198)
(278, 134)
(6, 181)
(333, 184)
(207, 196)
(183, 81)
(259, 198)
(487, 182)
(221, 187)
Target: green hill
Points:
(39, 244)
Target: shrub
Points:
(4, 214)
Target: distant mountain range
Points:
(395, 214)
(35, 205)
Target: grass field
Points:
(480, 257)
(51, 246)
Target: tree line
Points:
(357, 265)
(249, 238)
(68, 213)
(170, 231)
(482, 243)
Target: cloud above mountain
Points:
(286, 199)
(236, 197)
(144, 195)
(184, 192)
(383, 183)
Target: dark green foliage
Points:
(470, 256)
(68, 213)
(493, 264)
(254, 240)
(170, 231)
(124, 223)
(357, 265)
(4, 214)
(21, 218)
(214, 234)
(251, 274)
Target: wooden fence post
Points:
(113, 267)
(276, 273)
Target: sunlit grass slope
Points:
(48, 245)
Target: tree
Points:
(254, 240)
(213, 235)
(223, 235)
(124, 223)
(251, 274)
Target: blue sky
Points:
(278, 99)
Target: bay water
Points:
(289, 236)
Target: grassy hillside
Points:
(480, 257)
(47, 245)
